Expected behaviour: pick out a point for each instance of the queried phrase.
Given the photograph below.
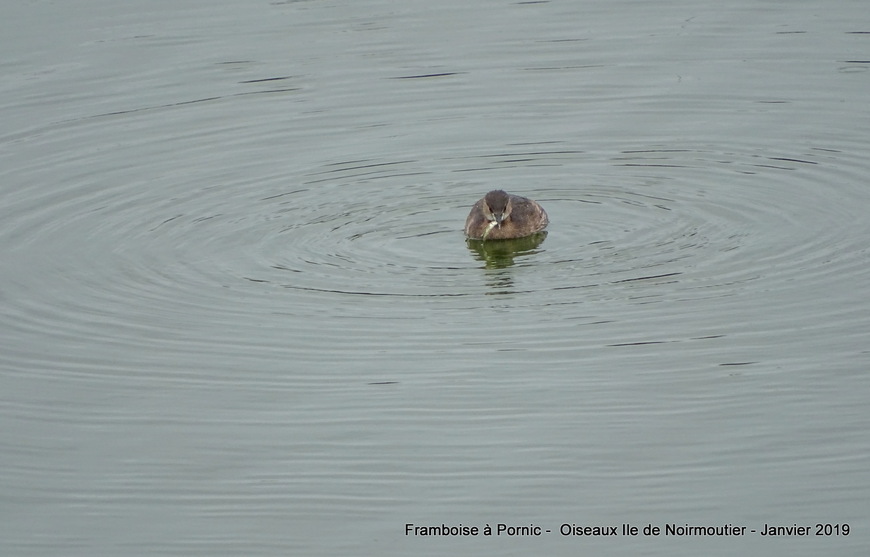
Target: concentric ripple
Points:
(704, 222)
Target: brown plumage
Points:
(501, 216)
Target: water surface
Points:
(240, 317)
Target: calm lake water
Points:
(239, 316)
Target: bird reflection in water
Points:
(503, 253)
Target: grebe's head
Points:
(496, 207)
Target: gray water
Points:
(239, 316)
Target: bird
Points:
(502, 216)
